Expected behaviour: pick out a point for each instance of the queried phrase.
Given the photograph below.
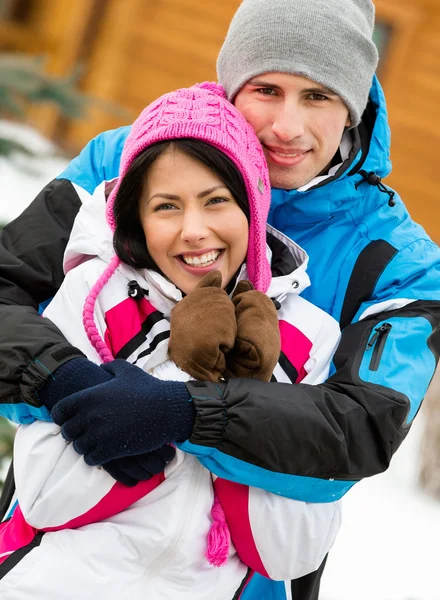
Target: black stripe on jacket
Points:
(18, 555)
(369, 266)
(139, 339)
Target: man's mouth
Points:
(285, 157)
(201, 260)
(286, 154)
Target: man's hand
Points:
(257, 347)
(203, 330)
(129, 470)
(129, 415)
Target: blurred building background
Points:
(132, 51)
(129, 52)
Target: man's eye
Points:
(266, 91)
(318, 97)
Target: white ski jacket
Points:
(77, 533)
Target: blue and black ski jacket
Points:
(371, 267)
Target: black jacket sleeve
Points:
(31, 256)
(313, 442)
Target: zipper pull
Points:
(378, 330)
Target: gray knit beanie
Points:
(327, 41)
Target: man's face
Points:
(300, 124)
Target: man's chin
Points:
(287, 179)
(288, 183)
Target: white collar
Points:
(344, 149)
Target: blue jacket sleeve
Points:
(98, 161)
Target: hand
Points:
(131, 414)
(257, 347)
(203, 330)
(129, 470)
(72, 376)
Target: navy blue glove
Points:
(129, 470)
(72, 376)
(80, 373)
(131, 414)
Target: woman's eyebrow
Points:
(165, 196)
(210, 190)
(175, 197)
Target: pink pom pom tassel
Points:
(219, 538)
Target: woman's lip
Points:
(199, 270)
(285, 159)
(200, 252)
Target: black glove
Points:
(129, 470)
(131, 414)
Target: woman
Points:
(187, 222)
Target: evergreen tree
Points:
(23, 82)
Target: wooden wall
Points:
(411, 79)
(135, 50)
(146, 48)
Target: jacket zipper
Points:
(377, 342)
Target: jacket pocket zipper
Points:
(377, 342)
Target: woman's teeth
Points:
(203, 260)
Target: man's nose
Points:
(194, 227)
(288, 123)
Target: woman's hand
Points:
(203, 330)
(257, 346)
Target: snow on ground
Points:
(387, 546)
(22, 177)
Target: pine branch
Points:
(23, 82)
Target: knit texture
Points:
(327, 41)
(128, 415)
(74, 375)
(93, 334)
(202, 112)
(82, 374)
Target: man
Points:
(302, 73)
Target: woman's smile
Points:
(201, 264)
(192, 222)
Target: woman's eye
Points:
(164, 206)
(217, 200)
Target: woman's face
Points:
(191, 221)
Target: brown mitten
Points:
(257, 347)
(203, 330)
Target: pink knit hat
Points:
(202, 112)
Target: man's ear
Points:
(348, 123)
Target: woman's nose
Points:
(194, 227)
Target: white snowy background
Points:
(388, 546)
